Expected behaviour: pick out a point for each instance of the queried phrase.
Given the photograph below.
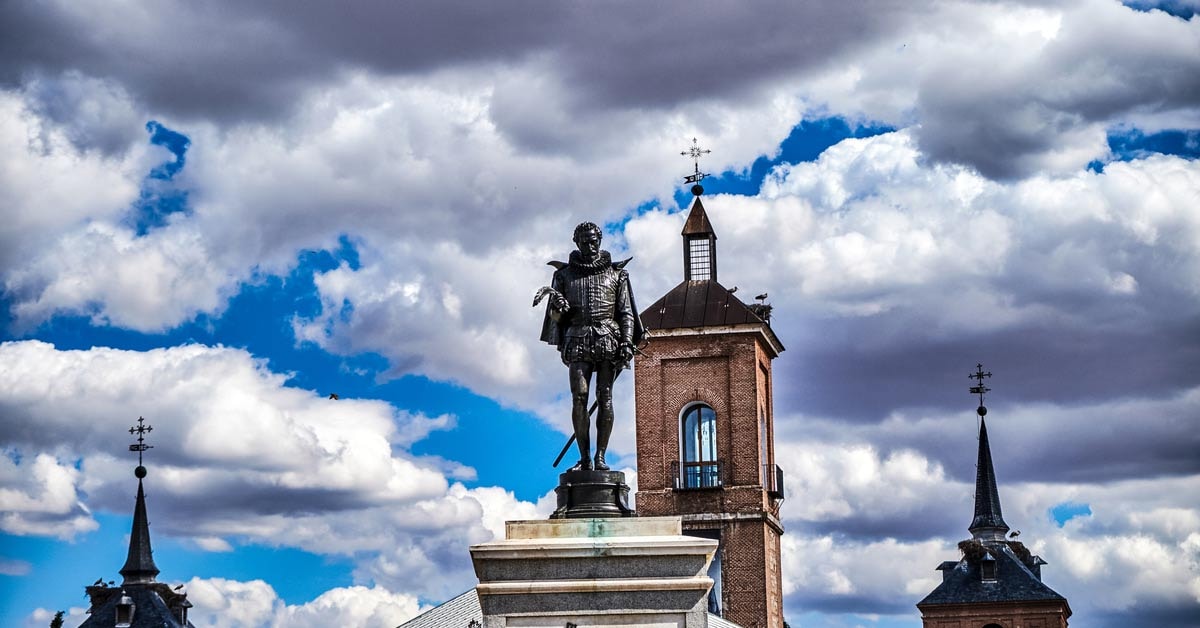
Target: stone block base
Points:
(605, 572)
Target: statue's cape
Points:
(552, 332)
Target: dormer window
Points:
(987, 568)
(125, 609)
(181, 611)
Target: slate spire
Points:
(988, 524)
(139, 566)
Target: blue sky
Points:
(308, 210)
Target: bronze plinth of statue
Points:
(592, 320)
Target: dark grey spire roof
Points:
(988, 522)
(139, 566)
(963, 581)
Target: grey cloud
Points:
(1007, 117)
(1065, 361)
(238, 60)
(1105, 62)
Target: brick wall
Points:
(732, 374)
(1006, 615)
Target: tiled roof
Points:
(1015, 582)
(458, 612)
(701, 303)
(150, 611)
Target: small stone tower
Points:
(997, 583)
(705, 429)
(140, 600)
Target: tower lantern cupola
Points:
(699, 244)
(699, 239)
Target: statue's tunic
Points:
(602, 314)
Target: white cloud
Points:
(41, 497)
(49, 186)
(222, 602)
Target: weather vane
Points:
(695, 152)
(979, 388)
(141, 429)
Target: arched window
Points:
(699, 468)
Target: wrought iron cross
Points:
(695, 152)
(141, 429)
(979, 388)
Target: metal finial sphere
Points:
(697, 189)
(981, 411)
(140, 472)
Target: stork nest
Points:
(973, 550)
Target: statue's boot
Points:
(581, 421)
(604, 427)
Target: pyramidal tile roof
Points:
(461, 610)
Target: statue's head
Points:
(587, 238)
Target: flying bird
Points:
(334, 396)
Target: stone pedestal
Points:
(591, 495)
(612, 573)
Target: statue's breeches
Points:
(594, 343)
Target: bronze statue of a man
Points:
(592, 319)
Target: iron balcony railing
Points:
(773, 480)
(698, 475)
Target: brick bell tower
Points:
(705, 430)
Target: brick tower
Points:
(997, 583)
(705, 431)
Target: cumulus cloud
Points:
(239, 458)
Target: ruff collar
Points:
(602, 261)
